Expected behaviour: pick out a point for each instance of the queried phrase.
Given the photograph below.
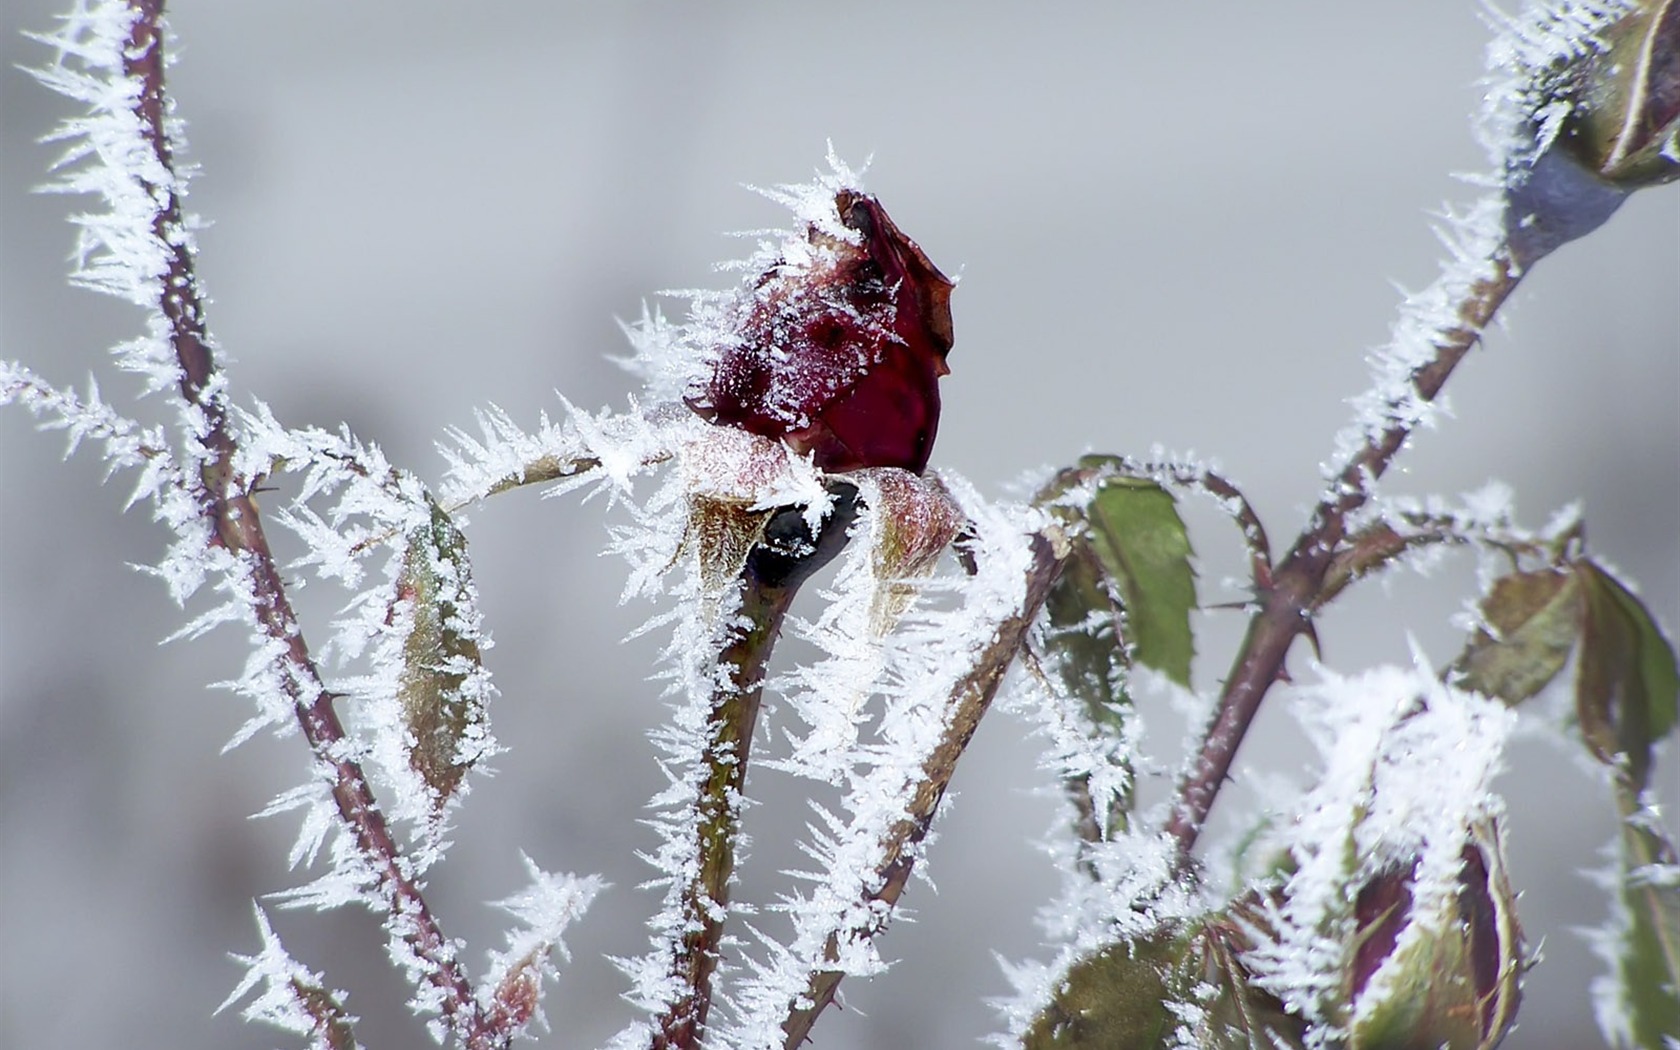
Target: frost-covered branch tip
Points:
(1527, 99)
(291, 997)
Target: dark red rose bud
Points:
(840, 356)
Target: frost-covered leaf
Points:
(1531, 621)
(1114, 998)
(443, 685)
(1142, 542)
(1132, 563)
(1627, 687)
(1184, 986)
(1083, 639)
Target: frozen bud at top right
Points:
(1625, 122)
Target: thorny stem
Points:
(1378, 545)
(734, 712)
(233, 515)
(786, 554)
(969, 699)
(1297, 584)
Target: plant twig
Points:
(969, 699)
(1298, 583)
(238, 528)
(734, 713)
(1196, 478)
(1378, 545)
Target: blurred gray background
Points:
(1175, 224)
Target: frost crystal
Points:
(292, 998)
(544, 909)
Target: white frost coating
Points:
(1515, 103)
(1408, 768)
(283, 981)
(858, 612)
(926, 661)
(126, 445)
(544, 909)
(108, 154)
(1102, 757)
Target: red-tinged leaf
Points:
(442, 687)
(1445, 979)
(841, 358)
(1627, 687)
(1532, 621)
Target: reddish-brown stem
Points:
(969, 699)
(1297, 583)
(238, 528)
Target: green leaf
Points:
(1123, 997)
(1113, 999)
(1647, 971)
(1532, 622)
(1141, 541)
(1627, 688)
(442, 686)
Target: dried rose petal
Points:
(841, 358)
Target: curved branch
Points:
(1298, 584)
(1196, 478)
(227, 506)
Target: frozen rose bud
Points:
(1433, 969)
(1621, 133)
(841, 356)
(1625, 122)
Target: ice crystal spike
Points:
(838, 351)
